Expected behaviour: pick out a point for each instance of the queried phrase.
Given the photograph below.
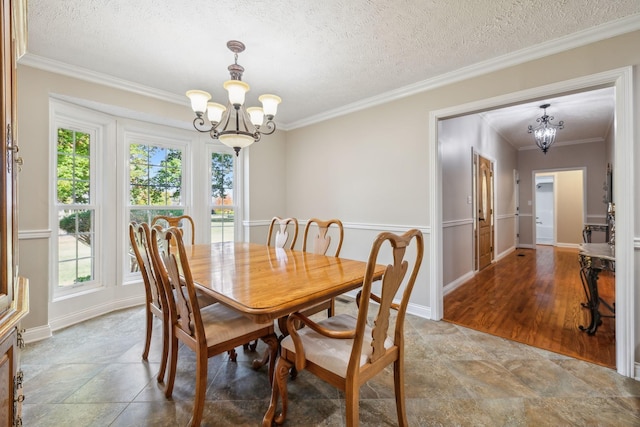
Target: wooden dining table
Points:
(266, 283)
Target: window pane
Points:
(82, 147)
(73, 167)
(75, 246)
(155, 175)
(222, 225)
(221, 179)
(222, 203)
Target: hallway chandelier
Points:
(545, 132)
(234, 125)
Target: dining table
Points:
(265, 283)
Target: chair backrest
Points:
(322, 240)
(391, 281)
(282, 235)
(140, 237)
(176, 221)
(184, 310)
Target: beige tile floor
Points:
(92, 374)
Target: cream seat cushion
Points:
(330, 353)
(222, 323)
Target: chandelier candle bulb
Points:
(270, 104)
(237, 91)
(235, 126)
(257, 115)
(215, 111)
(199, 100)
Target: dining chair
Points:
(166, 221)
(281, 232)
(280, 238)
(155, 297)
(176, 221)
(346, 351)
(318, 242)
(207, 331)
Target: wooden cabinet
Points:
(13, 290)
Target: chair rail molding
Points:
(34, 234)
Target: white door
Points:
(545, 210)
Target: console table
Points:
(594, 258)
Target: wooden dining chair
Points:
(207, 331)
(346, 351)
(280, 238)
(281, 227)
(176, 221)
(155, 298)
(317, 239)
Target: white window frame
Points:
(100, 127)
(149, 134)
(238, 186)
(110, 191)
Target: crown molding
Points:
(80, 73)
(564, 143)
(571, 41)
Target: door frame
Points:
(624, 179)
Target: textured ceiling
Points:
(318, 56)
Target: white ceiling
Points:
(587, 117)
(319, 56)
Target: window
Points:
(223, 205)
(107, 171)
(76, 211)
(155, 181)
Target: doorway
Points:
(545, 209)
(621, 81)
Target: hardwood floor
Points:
(534, 296)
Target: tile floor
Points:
(91, 374)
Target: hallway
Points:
(534, 297)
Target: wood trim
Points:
(19, 308)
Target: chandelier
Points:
(234, 125)
(545, 132)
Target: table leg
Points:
(278, 390)
(589, 276)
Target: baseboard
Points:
(568, 245)
(637, 374)
(36, 334)
(504, 253)
(419, 310)
(95, 311)
(414, 309)
(451, 286)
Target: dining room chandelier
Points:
(545, 132)
(234, 125)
